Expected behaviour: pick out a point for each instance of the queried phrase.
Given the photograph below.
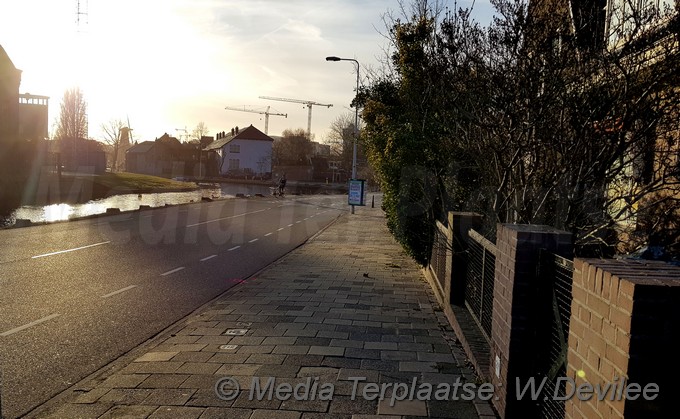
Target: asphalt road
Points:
(75, 296)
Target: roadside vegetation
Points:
(525, 121)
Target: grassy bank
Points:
(82, 188)
(141, 183)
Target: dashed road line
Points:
(111, 294)
(233, 248)
(222, 218)
(208, 258)
(253, 240)
(27, 325)
(282, 228)
(70, 250)
(268, 234)
(172, 271)
(290, 225)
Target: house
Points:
(166, 156)
(243, 153)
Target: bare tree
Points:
(341, 138)
(113, 136)
(199, 132)
(72, 122)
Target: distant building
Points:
(168, 157)
(243, 153)
(22, 116)
(10, 79)
(33, 116)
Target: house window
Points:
(234, 148)
(233, 164)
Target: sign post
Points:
(356, 192)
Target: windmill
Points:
(266, 114)
(307, 103)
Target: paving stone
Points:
(128, 412)
(291, 349)
(274, 414)
(362, 353)
(279, 340)
(164, 381)
(156, 356)
(193, 357)
(340, 362)
(177, 412)
(124, 380)
(279, 371)
(238, 369)
(92, 396)
(226, 412)
(126, 395)
(402, 407)
(344, 404)
(198, 368)
(169, 397)
(167, 367)
(326, 351)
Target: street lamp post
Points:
(356, 118)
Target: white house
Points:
(246, 152)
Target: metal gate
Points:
(556, 277)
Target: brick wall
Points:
(625, 322)
(515, 313)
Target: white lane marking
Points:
(268, 234)
(233, 248)
(290, 225)
(27, 325)
(208, 258)
(111, 294)
(70, 250)
(281, 229)
(298, 222)
(312, 216)
(253, 240)
(223, 218)
(172, 271)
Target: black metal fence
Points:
(479, 280)
(439, 251)
(556, 276)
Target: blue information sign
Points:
(356, 192)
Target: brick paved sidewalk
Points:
(347, 304)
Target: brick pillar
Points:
(625, 322)
(515, 313)
(459, 224)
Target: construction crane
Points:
(265, 113)
(307, 103)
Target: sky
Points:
(166, 65)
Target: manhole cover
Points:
(236, 332)
(244, 324)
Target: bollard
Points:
(372, 201)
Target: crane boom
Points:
(307, 103)
(266, 114)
